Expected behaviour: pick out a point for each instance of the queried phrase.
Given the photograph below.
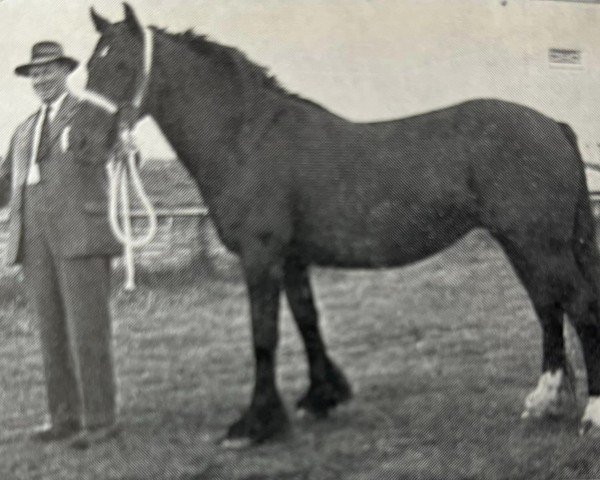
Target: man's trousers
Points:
(70, 298)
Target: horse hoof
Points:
(590, 422)
(236, 443)
(324, 395)
(550, 399)
(261, 422)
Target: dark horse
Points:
(289, 184)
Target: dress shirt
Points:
(33, 176)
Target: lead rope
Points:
(122, 172)
(124, 176)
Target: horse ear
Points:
(101, 23)
(131, 19)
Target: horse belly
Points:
(388, 234)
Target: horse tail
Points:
(585, 248)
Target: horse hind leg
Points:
(583, 308)
(554, 394)
(566, 276)
(328, 385)
(546, 275)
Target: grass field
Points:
(440, 354)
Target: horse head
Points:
(117, 64)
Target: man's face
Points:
(50, 80)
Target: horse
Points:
(290, 184)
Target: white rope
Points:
(148, 56)
(121, 174)
(127, 230)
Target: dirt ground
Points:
(440, 354)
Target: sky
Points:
(363, 59)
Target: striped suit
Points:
(59, 233)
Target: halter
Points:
(143, 83)
(123, 169)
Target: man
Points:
(59, 233)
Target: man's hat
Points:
(44, 53)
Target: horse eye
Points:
(104, 52)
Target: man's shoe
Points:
(59, 431)
(94, 435)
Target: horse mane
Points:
(230, 56)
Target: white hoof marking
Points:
(236, 444)
(549, 398)
(590, 422)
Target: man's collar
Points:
(55, 105)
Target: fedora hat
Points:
(44, 53)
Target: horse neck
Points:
(196, 115)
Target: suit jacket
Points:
(73, 177)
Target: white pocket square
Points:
(64, 138)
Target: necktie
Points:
(44, 135)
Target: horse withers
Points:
(289, 184)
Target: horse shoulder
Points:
(254, 204)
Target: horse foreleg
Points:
(266, 416)
(328, 385)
